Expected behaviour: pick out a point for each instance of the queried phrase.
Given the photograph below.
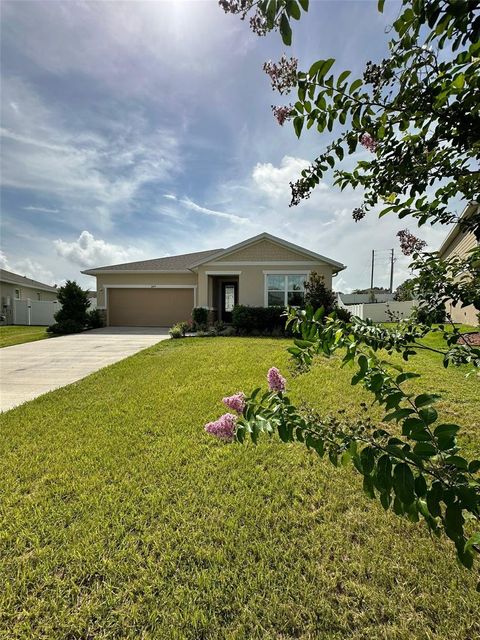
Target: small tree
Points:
(317, 294)
(72, 316)
(404, 292)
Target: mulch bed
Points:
(472, 339)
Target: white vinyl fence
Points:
(381, 311)
(34, 312)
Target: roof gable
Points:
(264, 251)
(282, 247)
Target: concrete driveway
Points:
(31, 369)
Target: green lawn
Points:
(16, 334)
(121, 518)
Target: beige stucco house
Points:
(16, 287)
(458, 243)
(261, 271)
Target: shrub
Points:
(185, 326)
(72, 315)
(67, 326)
(258, 320)
(207, 333)
(218, 327)
(343, 314)
(227, 332)
(180, 329)
(200, 317)
(429, 316)
(176, 331)
(317, 294)
(94, 319)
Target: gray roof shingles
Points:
(15, 278)
(170, 263)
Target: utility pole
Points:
(373, 266)
(392, 260)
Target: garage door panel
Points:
(144, 307)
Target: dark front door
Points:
(229, 300)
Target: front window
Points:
(288, 289)
(17, 294)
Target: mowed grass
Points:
(16, 334)
(122, 518)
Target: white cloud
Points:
(275, 181)
(193, 206)
(87, 251)
(97, 176)
(27, 267)
(41, 209)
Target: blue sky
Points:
(141, 129)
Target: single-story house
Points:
(458, 243)
(13, 286)
(261, 271)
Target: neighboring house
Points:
(261, 271)
(459, 243)
(16, 287)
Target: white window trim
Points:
(280, 273)
(15, 294)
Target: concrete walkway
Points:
(31, 369)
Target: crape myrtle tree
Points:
(417, 113)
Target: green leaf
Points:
(420, 486)
(325, 68)
(406, 376)
(457, 461)
(453, 521)
(424, 449)
(368, 486)
(426, 399)
(383, 475)
(355, 84)
(444, 430)
(473, 540)
(316, 66)
(293, 9)
(285, 30)
(428, 415)
(386, 500)
(397, 415)
(298, 125)
(404, 483)
(434, 495)
(367, 460)
(270, 13)
(459, 81)
(343, 76)
(381, 4)
(304, 4)
(474, 466)
(363, 363)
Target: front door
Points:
(229, 300)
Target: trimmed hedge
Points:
(258, 320)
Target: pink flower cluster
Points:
(235, 402)
(283, 74)
(223, 428)
(276, 381)
(409, 243)
(282, 114)
(368, 142)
